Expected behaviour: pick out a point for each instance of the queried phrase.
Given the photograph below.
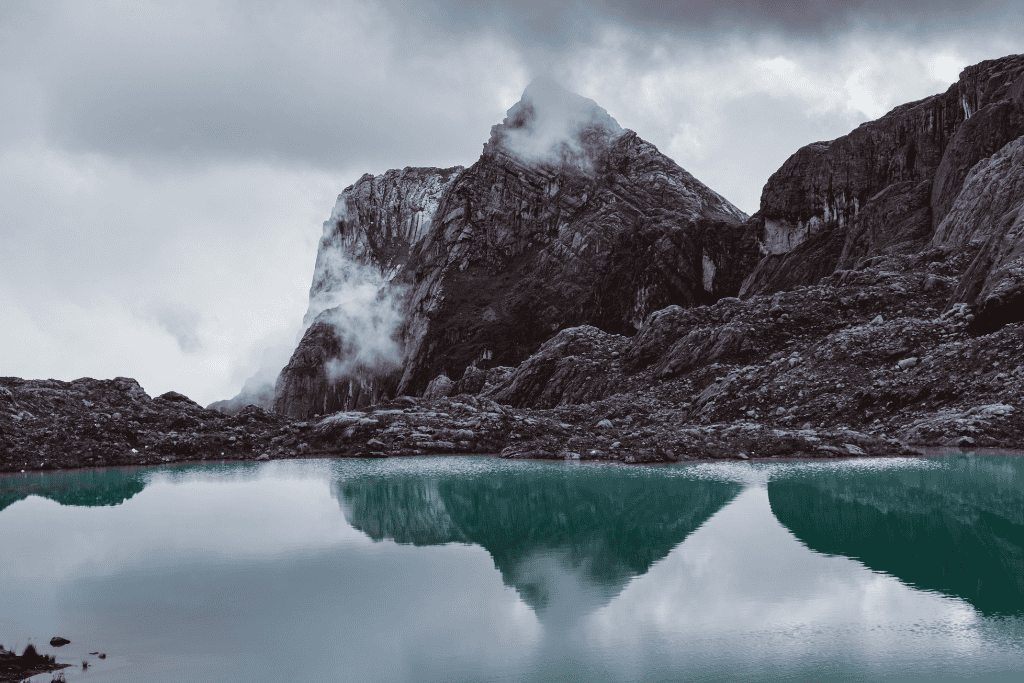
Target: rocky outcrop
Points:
(897, 220)
(825, 186)
(15, 668)
(578, 365)
(326, 372)
(812, 259)
(566, 219)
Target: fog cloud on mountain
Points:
(165, 167)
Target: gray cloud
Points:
(557, 23)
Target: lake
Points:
(480, 569)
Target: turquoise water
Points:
(477, 569)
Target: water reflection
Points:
(956, 527)
(567, 539)
(85, 488)
(513, 571)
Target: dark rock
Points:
(57, 641)
(91, 422)
(175, 397)
(374, 225)
(979, 137)
(898, 220)
(473, 381)
(366, 243)
(439, 387)
(807, 263)
(822, 188)
(324, 374)
(575, 366)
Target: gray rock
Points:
(439, 387)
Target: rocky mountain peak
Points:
(551, 125)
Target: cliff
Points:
(887, 185)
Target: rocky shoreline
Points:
(15, 668)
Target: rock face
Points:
(866, 189)
(315, 382)
(366, 242)
(566, 219)
(991, 208)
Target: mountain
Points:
(886, 187)
(584, 287)
(566, 219)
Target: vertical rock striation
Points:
(839, 190)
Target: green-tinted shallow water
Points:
(475, 569)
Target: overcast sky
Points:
(166, 167)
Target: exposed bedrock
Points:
(565, 220)
(826, 186)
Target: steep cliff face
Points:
(566, 219)
(348, 351)
(826, 186)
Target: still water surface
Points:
(477, 569)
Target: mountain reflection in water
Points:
(90, 488)
(571, 536)
(957, 529)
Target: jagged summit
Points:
(550, 124)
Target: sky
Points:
(166, 167)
